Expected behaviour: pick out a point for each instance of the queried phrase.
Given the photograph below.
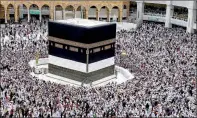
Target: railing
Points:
(24, 11)
(154, 18)
(92, 12)
(180, 18)
(162, 19)
(179, 22)
(155, 14)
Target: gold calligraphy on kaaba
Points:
(96, 50)
(74, 49)
(107, 47)
(59, 45)
(75, 46)
(81, 45)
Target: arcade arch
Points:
(10, 12)
(93, 13)
(34, 11)
(69, 12)
(45, 11)
(125, 12)
(115, 14)
(58, 12)
(2, 14)
(81, 12)
(104, 13)
(23, 12)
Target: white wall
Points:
(181, 3)
(103, 13)
(124, 14)
(58, 15)
(179, 22)
(125, 26)
(155, 1)
(114, 12)
(78, 14)
(194, 25)
(154, 18)
(92, 12)
(69, 14)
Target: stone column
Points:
(21, 9)
(120, 16)
(74, 13)
(108, 16)
(5, 15)
(16, 14)
(128, 10)
(86, 14)
(169, 14)
(54, 14)
(97, 15)
(28, 14)
(51, 12)
(140, 12)
(63, 14)
(190, 21)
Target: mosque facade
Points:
(58, 10)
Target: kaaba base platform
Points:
(121, 75)
(81, 76)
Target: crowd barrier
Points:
(124, 72)
(125, 26)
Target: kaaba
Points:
(82, 50)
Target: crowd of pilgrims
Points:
(178, 13)
(162, 60)
(154, 10)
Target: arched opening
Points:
(2, 14)
(45, 11)
(133, 7)
(104, 14)
(34, 12)
(132, 12)
(10, 13)
(93, 13)
(80, 13)
(23, 13)
(180, 13)
(69, 12)
(115, 13)
(124, 13)
(155, 9)
(58, 12)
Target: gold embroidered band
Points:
(81, 45)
